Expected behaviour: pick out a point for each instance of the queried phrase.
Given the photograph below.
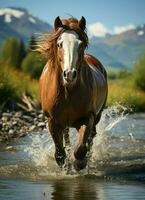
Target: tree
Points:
(22, 52)
(32, 43)
(139, 74)
(33, 64)
(13, 51)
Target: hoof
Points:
(80, 164)
(80, 152)
(60, 159)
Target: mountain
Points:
(121, 50)
(20, 23)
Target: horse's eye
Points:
(59, 45)
(80, 44)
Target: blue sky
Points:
(109, 13)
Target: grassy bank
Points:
(14, 83)
(125, 93)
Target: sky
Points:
(113, 16)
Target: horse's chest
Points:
(68, 111)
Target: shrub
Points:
(139, 74)
(123, 74)
(14, 83)
(33, 64)
(13, 52)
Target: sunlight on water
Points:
(106, 151)
(119, 147)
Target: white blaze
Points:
(70, 43)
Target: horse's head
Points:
(70, 47)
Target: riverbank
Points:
(17, 122)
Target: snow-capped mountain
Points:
(20, 23)
(120, 50)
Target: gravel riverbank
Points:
(14, 124)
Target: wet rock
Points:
(18, 114)
(8, 115)
(11, 132)
(32, 128)
(27, 118)
(40, 116)
(4, 119)
(41, 124)
(22, 134)
(9, 148)
(14, 123)
(19, 123)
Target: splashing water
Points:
(119, 147)
(106, 150)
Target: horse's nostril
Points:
(74, 74)
(64, 74)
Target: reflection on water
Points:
(77, 189)
(116, 169)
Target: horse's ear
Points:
(82, 23)
(57, 23)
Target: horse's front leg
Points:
(57, 135)
(86, 134)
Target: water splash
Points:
(119, 147)
(41, 149)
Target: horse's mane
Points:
(46, 43)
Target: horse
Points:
(73, 88)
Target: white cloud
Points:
(97, 29)
(100, 30)
(121, 29)
(140, 33)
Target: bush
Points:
(13, 84)
(13, 52)
(139, 74)
(33, 64)
(123, 74)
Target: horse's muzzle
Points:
(69, 75)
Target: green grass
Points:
(124, 92)
(14, 83)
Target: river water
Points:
(115, 170)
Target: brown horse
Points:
(73, 87)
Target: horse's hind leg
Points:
(57, 135)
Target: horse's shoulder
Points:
(95, 63)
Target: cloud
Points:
(121, 29)
(98, 29)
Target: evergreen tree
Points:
(22, 52)
(139, 74)
(32, 43)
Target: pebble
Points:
(32, 128)
(11, 131)
(9, 148)
(7, 114)
(18, 123)
(41, 124)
